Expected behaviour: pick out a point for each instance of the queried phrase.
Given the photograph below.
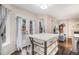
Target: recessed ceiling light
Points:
(43, 6)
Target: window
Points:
(22, 30)
(41, 29)
(41, 26)
(31, 27)
(24, 25)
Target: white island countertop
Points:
(44, 36)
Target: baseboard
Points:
(12, 52)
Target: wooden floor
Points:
(65, 47)
(67, 43)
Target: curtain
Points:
(0, 36)
(3, 15)
(19, 32)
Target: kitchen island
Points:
(44, 44)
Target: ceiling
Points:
(60, 11)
